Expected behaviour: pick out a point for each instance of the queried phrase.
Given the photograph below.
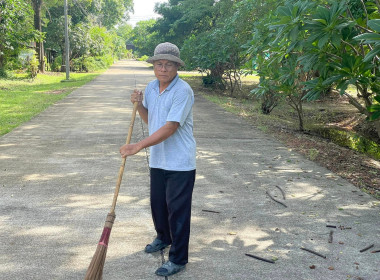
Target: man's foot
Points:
(169, 268)
(155, 246)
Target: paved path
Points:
(58, 174)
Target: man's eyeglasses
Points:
(167, 66)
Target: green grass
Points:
(21, 99)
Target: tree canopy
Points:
(301, 50)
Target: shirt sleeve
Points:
(183, 101)
(145, 100)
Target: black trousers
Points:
(170, 200)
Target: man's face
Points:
(165, 70)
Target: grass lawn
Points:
(21, 99)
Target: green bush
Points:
(32, 67)
(56, 65)
(3, 73)
(143, 58)
(77, 65)
(91, 64)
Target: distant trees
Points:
(315, 47)
(16, 30)
(93, 35)
(300, 49)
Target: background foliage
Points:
(301, 50)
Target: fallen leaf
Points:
(232, 233)
(331, 268)
(340, 242)
(312, 267)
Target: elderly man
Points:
(167, 109)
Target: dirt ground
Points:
(361, 170)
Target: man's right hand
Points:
(137, 96)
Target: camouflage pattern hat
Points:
(166, 51)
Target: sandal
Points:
(155, 246)
(169, 268)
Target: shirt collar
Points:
(173, 82)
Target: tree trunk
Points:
(37, 4)
(300, 117)
(376, 124)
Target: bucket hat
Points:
(166, 51)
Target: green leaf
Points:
(336, 40)
(374, 24)
(284, 11)
(294, 33)
(332, 80)
(322, 42)
(372, 54)
(369, 38)
(375, 116)
(321, 20)
(374, 108)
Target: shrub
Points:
(32, 67)
(56, 65)
(143, 58)
(3, 72)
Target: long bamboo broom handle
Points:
(121, 170)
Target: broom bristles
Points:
(95, 269)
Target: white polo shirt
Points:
(175, 104)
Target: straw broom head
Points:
(95, 269)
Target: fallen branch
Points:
(366, 248)
(283, 193)
(283, 204)
(331, 236)
(313, 252)
(259, 258)
(343, 227)
(210, 211)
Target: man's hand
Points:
(129, 150)
(137, 96)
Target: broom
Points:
(95, 269)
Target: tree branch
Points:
(365, 10)
(356, 104)
(352, 47)
(377, 4)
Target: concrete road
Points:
(58, 173)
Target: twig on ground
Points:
(313, 252)
(259, 258)
(283, 193)
(376, 251)
(343, 227)
(283, 204)
(366, 248)
(210, 211)
(331, 236)
(330, 226)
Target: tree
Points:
(16, 29)
(37, 5)
(348, 42)
(143, 38)
(216, 49)
(182, 18)
(124, 31)
(330, 48)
